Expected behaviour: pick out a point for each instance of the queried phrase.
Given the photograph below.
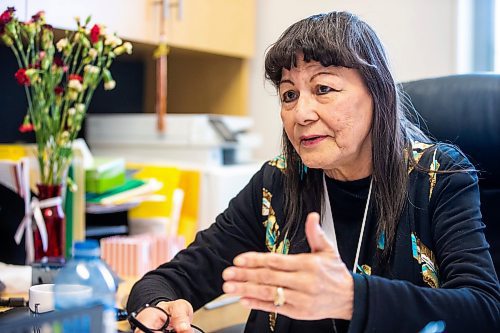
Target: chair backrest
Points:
(465, 110)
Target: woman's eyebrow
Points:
(322, 73)
(286, 81)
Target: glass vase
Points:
(55, 223)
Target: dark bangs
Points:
(318, 38)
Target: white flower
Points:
(61, 44)
(128, 47)
(72, 95)
(112, 40)
(91, 69)
(75, 85)
(80, 107)
(93, 53)
(71, 111)
(64, 138)
(110, 85)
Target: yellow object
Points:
(12, 152)
(172, 179)
(169, 177)
(190, 182)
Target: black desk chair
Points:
(465, 110)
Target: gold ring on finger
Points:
(279, 297)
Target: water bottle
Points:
(85, 280)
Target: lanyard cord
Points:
(329, 227)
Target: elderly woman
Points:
(363, 224)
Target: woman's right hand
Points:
(181, 316)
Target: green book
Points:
(130, 184)
(105, 175)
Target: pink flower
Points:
(38, 16)
(22, 78)
(95, 32)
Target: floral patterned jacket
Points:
(440, 269)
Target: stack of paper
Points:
(131, 193)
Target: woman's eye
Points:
(322, 90)
(288, 96)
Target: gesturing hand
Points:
(315, 285)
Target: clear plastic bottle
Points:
(86, 280)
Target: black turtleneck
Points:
(348, 202)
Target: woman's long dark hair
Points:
(342, 39)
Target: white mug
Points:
(41, 296)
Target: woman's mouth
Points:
(311, 140)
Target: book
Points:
(105, 174)
(130, 191)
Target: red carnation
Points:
(59, 90)
(21, 77)
(75, 77)
(94, 34)
(24, 128)
(58, 61)
(6, 16)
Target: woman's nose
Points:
(305, 111)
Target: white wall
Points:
(420, 37)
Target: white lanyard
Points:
(329, 227)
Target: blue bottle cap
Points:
(87, 248)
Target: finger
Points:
(287, 309)
(277, 261)
(292, 311)
(267, 276)
(265, 293)
(316, 237)
(181, 315)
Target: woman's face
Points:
(327, 115)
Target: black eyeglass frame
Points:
(135, 323)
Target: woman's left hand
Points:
(315, 285)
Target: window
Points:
(496, 34)
(478, 36)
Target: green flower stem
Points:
(75, 58)
(18, 59)
(22, 54)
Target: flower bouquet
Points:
(59, 79)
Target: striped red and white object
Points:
(133, 256)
